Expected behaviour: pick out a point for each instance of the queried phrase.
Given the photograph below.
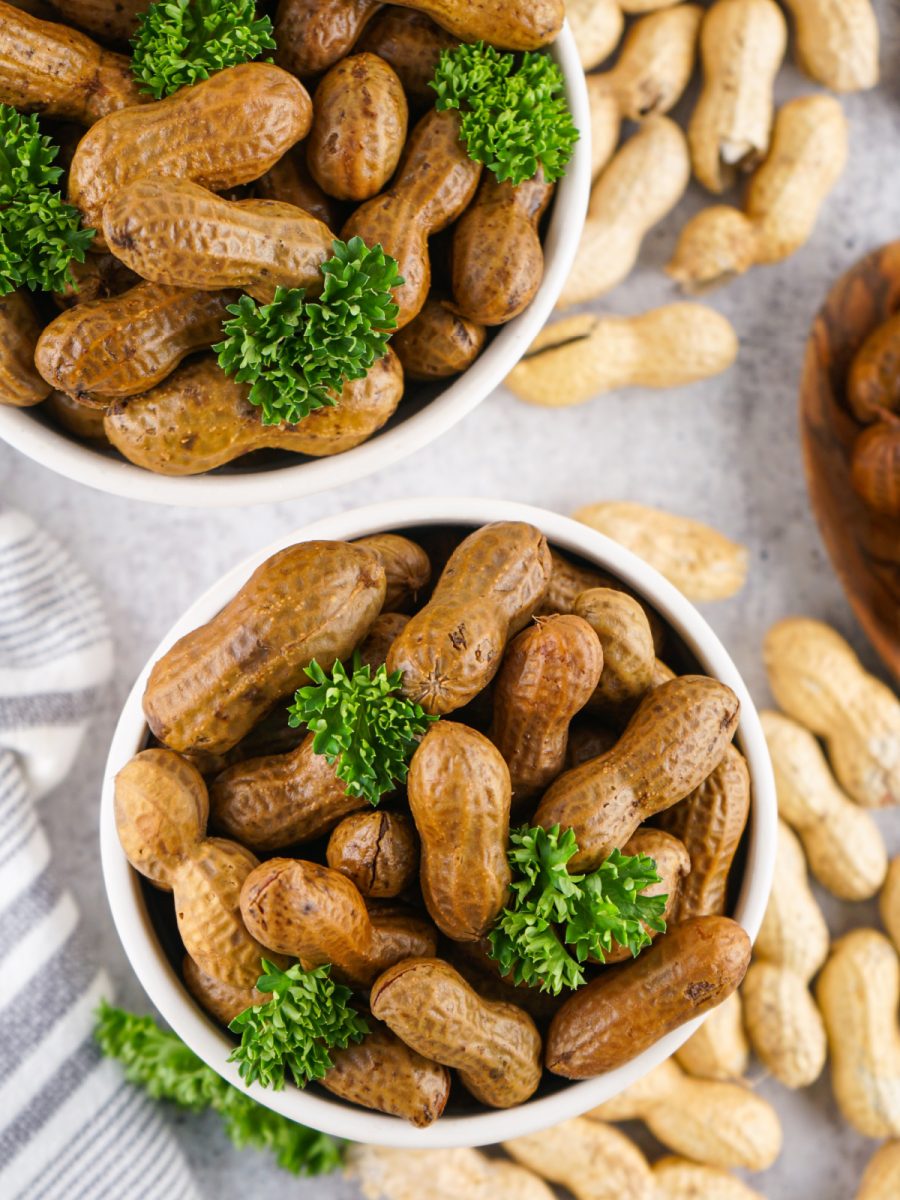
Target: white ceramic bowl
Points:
(29, 431)
(162, 983)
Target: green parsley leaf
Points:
(360, 723)
(179, 42)
(40, 234)
(512, 120)
(297, 353)
(308, 1015)
(553, 909)
(159, 1061)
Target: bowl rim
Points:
(85, 464)
(333, 1116)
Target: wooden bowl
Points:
(864, 546)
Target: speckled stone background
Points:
(725, 451)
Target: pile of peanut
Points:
(793, 157)
(556, 709)
(239, 183)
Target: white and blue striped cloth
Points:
(70, 1127)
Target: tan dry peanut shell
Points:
(200, 418)
(314, 600)
(438, 342)
(459, 796)
(490, 588)
(411, 43)
(701, 562)
(645, 180)
(128, 343)
(618, 1015)
(889, 902)
(676, 738)
(594, 1161)
(681, 1179)
(742, 44)
(377, 851)
(597, 27)
(785, 1026)
(223, 1001)
(384, 1174)
(494, 1046)
(550, 671)
(315, 914)
(881, 1178)
(655, 64)
(719, 1048)
(793, 933)
(836, 42)
(406, 567)
(161, 808)
(506, 24)
(628, 652)
(710, 822)
(857, 992)
(579, 357)
(222, 132)
(21, 384)
(818, 680)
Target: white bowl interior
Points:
(162, 983)
(30, 433)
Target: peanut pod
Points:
(438, 342)
(20, 384)
(377, 851)
(628, 652)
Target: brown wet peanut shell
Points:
(223, 1001)
(588, 740)
(289, 181)
(433, 185)
(629, 656)
(550, 671)
(480, 971)
(498, 260)
(281, 799)
(312, 35)
(377, 851)
(200, 418)
(317, 915)
(624, 1011)
(494, 1045)
(225, 131)
(506, 24)
(673, 866)
(452, 648)
(375, 646)
(314, 600)
(412, 44)
(358, 131)
(676, 738)
(76, 418)
(407, 567)
(459, 797)
(20, 384)
(177, 232)
(384, 1074)
(116, 22)
(875, 466)
(98, 277)
(50, 69)
(873, 383)
(161, 809)
(710, 822)
(126, 344)
(438, 343)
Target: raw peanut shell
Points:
(618, 621)
(76, 418)
(451, 1174)
(290, 182)
(161, 808)
(200, 418)
(710, 822)
(433, 185)
(681, 1179)
(374, 648)
(676, 738)
(459, 796)
(114, 21)
(438, 342)
(623, 1012)
(377, 851)
(411, 43)
(177, 232)
(549, 673)
(53, 70)
(227, 130)
(127, 344)
(312, 35)
(836, 42)
(20, 384)
(223, 1001)
(384, 1074)
(494, 1046)
(317, 915)
(359, 128)
(881, 1178)
(673, 866)
(498, 260)
(874, 380)
(406, 567)
(281, 799)
(311, 601)
(451, 649)
(875, 466)
(507, 24)
(593, 1160)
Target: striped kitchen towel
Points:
(70, 1127)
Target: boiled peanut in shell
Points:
(673, 866)
(411, 43)
(377, 851)
(438, 342)
(20, 384)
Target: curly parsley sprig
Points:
(308, 1015)
(553, 910)
(514, 120)
(159, 1062)
(298, 354)
(179, 42)
(362, 724)
(40, 234)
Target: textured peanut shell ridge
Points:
(377, 851)
(411, 43)
(21, 384)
